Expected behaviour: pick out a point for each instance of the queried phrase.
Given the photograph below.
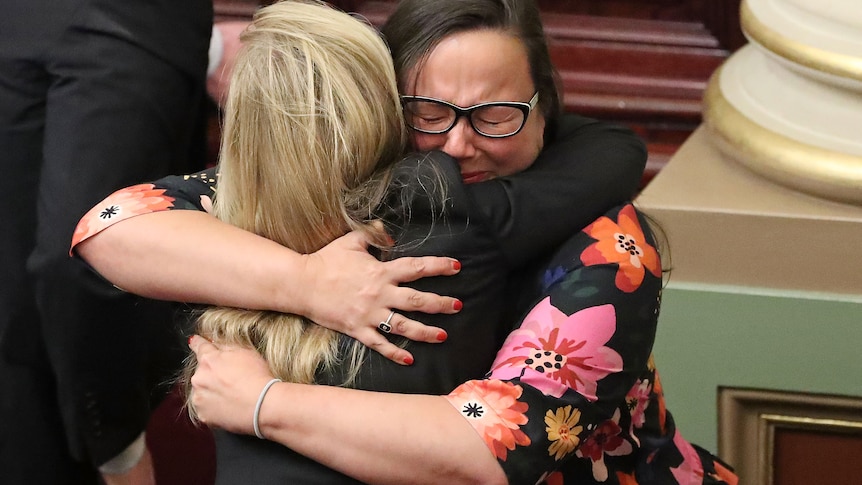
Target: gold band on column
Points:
(824, 173)
(841, 65)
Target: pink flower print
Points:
(637, 401)
(605, 439)
(690, 471)
(121, 205)
(493, 409)
(554, 352)
(207, 204)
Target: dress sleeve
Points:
(559, 384)
(190, 192)
(589, 167)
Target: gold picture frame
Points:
(748, 420)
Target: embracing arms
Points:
(136, 241)
(531, 422)
(378, 438)
(188, 255)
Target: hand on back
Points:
(353, 292)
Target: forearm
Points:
(381, 438)
(190, 256)
(193, 257)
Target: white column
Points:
(789, 104)
(767, 192)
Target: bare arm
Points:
(384, 439)
(190, 256)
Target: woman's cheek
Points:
(423, 142)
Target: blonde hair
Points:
(312, 127)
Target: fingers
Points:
(405, 270)
(411, 300)
(200, 345)
(373, 337)
(375, 340)
(373, 290)
(417, 331)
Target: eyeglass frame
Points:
(526, 109)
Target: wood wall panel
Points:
(235, 9)
(804, 457)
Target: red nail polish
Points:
(442, 336)
(457, 305)
(456, 265)
(408, 360)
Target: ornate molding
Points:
(815, 170)
(817, 55)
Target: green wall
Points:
(712, 336)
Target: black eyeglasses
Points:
(498, 119)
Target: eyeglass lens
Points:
(435, 117)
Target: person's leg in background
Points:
(80, 116)
(28, 401)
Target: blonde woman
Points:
(312, 131)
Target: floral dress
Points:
(573, 396)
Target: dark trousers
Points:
(82, 113)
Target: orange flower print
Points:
(658, 390)
(722, 473)
(623, 243)
(121, 205)
(551, 478)
(563, 430)
(626, 479)
(493, 409)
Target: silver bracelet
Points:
(256, 420)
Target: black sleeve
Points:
(589, 167)
(190, 192)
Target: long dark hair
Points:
(416, 27)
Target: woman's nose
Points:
(459, 140)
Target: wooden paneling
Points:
(719, 17)
(803, 457)
(235, 9)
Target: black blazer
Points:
(78, 358)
